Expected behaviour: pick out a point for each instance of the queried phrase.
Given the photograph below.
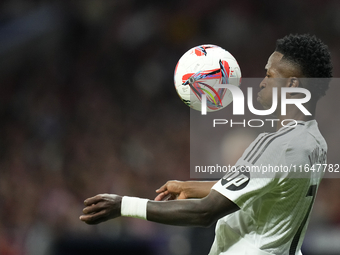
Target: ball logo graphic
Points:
(199, 70)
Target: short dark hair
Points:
(312, 56)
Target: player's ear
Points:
(293, 82)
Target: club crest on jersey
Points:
(236, 180)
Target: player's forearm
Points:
(179, 212)
(188, 212)
(191, 212)
(198, 189)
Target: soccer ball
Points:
(199, 70)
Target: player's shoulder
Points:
(293, 140)
(302, 135)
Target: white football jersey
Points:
(274, 204)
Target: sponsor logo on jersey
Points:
(236, 180)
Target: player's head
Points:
(311, 59)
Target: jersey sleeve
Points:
(280, 153)
(243, 190)
(247, 182)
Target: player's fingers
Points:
(161, 196)
(93, 200)
(93, 208)
(181, 196)
(158, 197)
(94, 218)
(162, 188)
(168, 197)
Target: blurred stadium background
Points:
(88, 105)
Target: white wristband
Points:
(134, 207)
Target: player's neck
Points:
(294, 113)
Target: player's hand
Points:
(171, 190)
(101, 208)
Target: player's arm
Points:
(191, 212)
(188, 212)
(184, 189)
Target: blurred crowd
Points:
(88, 106)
